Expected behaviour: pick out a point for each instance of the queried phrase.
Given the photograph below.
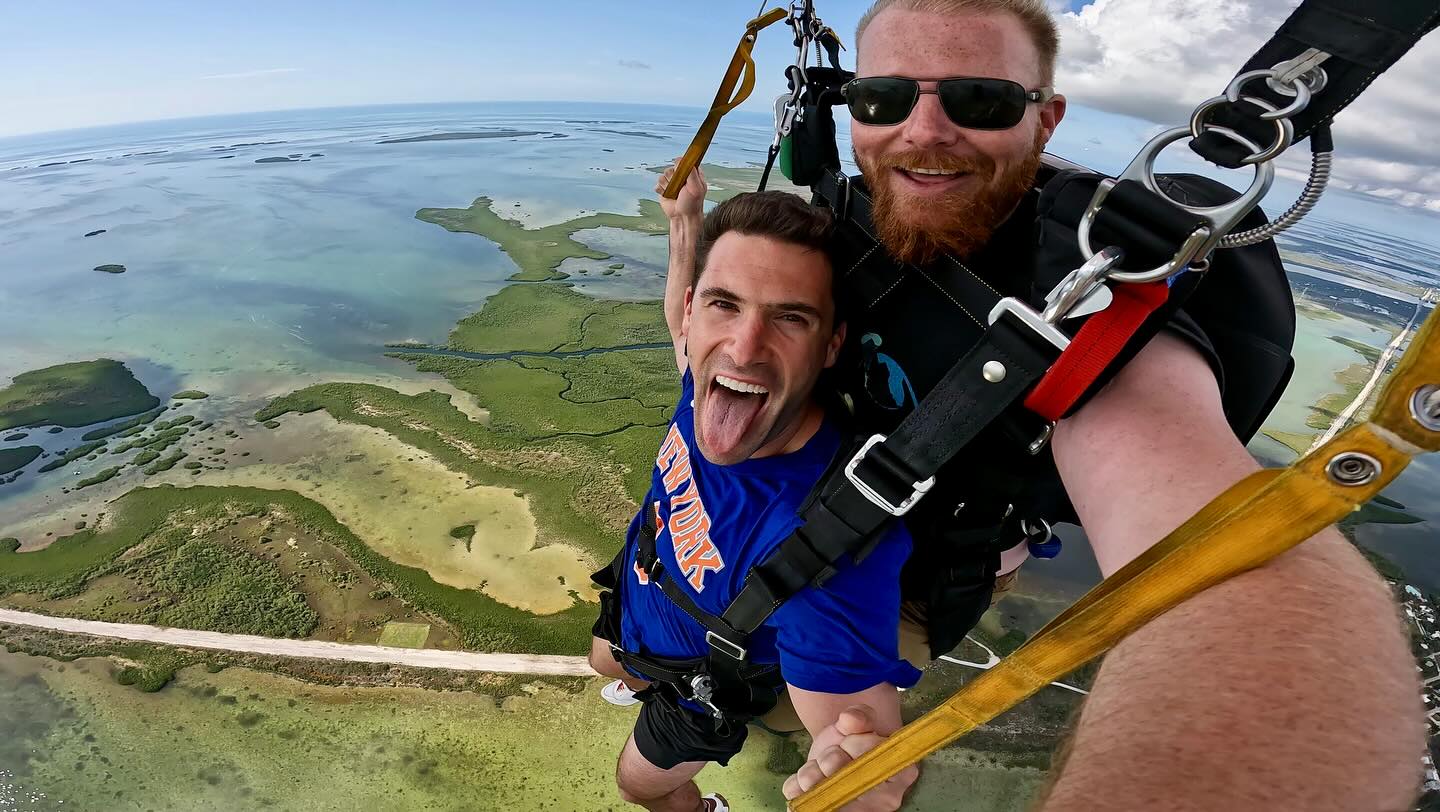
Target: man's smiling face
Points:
(760, 327)
(939, 187)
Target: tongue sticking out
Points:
(728, 416)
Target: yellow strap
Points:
(1254, 521)
(742, 71)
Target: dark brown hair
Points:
(779, 215)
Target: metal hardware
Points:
(1425, 406)
(1284, 128)
(1083, 291)
(1199, 245)
(1320, 168)
(1351, 468)
(1038, 444)
(1037, 529)
(1306, 68)
(1299, 90)
(1031, 319)
(724, 646)
(917, 490)
(994, 371)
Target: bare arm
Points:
(1290, 686)
(685, 214)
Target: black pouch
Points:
(608, 578)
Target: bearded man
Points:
(1234, 699)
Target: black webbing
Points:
(650, 562)
(845, 519)
(1363, 37)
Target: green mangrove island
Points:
(76, 394)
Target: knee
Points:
(628, 795)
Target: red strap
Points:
(1094, 348)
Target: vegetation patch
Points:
(555, 318)
(404, 635)
(134, 425)
(190, 394)
(79, 452)
(104, 476)
(13, 459)
(539, 252)
(164, 463)
(76, 394)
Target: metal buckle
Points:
(724, 646)
(918, 489)
(1031, 319)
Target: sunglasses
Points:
(975, 103)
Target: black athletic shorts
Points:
(669, 734)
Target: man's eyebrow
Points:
(715, 292)
(798, 307)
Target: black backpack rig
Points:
(1167, 241)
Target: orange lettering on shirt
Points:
(702, 558)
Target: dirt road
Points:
(549, 665)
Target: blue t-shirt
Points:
(716, 522)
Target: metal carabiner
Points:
(1220, 219)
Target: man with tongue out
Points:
(753, 325)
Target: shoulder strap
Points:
(1352, 41)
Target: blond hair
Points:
(1034, 15)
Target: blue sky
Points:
(98, 63)
(101, 63)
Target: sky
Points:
(103, 63)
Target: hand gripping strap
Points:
(1253, 522)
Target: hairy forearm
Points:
(684, 231)
(1288, 687)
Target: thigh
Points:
(637, 777)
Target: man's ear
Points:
(1051, 113)
(685, 321)
(832, 350)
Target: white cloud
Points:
(1156, 59)
(252, 74)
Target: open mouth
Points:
(926, 178)
(731, 407)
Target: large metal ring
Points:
(1284, 128)
(1222, 218)
(1299, 89)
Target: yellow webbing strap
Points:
(741, 70)
(1254, 521)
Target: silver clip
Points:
(1083, 291)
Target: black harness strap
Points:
(1363, 38)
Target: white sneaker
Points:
(618, 693)
(715, 802)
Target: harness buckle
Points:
(918, 489)
(725, 647)
(1028, 317)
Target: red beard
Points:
(959, 223)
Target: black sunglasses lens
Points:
(983, 104)
(881, 100)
